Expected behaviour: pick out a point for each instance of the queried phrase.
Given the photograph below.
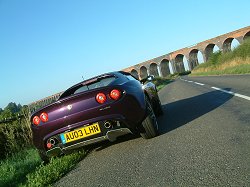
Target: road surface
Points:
(204, 141)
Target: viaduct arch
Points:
(160, 66)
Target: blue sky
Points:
(47, 46)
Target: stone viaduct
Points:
(159, 66)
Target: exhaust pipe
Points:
(107, 124)
(52, 141)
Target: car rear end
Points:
(89, 116)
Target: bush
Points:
(184, 73)
(15, 135)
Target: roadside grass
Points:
(239, 69)
(27, 170)
(161, 82)
(233, 62)
(13, 169)
(46, 175)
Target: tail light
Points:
(44, 117)
(49, 145)
(36, 120)
(101, 98)
(115, 94)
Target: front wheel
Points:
(150, 125)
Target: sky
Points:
(47, 46)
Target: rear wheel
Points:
(159, 110)
(43, 156)
(150, 125)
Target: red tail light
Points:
(101, 98)
(36, 120)
(49, 145)
(115, 94)
(44, 117)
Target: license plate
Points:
(80, 133)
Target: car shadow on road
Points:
(181, 112)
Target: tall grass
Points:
(233, 62)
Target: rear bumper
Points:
(111, 135)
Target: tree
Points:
(13, 107)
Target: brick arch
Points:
(209, 49)
(247, 35)
(164, 67)
(143, 72)
(153, 69)
(134, 73)
(179, 64)
(226, 46)
(193, 58)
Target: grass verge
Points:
(239, 69)
(26, 169)
(13, 170)
(161, 82)
(233, 62)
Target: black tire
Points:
(150, 125)
(159, 110)
(43, 156)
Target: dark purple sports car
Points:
(101, 108)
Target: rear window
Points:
(91, 84)
(100, 83)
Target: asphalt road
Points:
(204, 141)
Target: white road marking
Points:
(184, 80)
(199, 83)
(232, 93)
(225, 91)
